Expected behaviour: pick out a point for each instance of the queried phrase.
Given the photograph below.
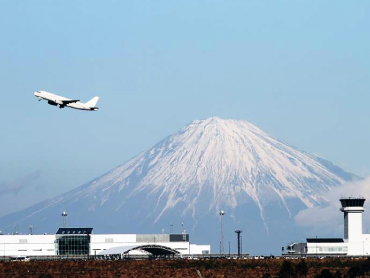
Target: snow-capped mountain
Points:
(188, 177)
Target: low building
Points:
(353, 243)
(82, 241)
(27, 245)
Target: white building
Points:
(27, 245)
(354, 242)
(81, 241)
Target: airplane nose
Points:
(35, 93)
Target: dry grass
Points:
(184, 268)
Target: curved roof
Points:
(116, 250)
(153, 249)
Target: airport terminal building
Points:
(353, 243)
(82, 241)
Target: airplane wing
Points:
(69, 101)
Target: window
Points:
(22, 240)
(333, 249)
(73, 245)
(204, 252)
(109, 240)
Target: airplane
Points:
(56, 100)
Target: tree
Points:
(302, 268)
(354, 271)
(287, 270)
(366, 267)
(338, 274)
(325, 273)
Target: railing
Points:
(132, 257)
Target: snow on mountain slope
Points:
(229, 157)
(208, 165)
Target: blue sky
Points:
(299, 70)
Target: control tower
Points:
(353, 209)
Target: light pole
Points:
(64, 214)
(183, 232)
(222, 213)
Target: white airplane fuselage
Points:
(56, 100)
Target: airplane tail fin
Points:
(92, 102)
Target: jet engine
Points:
(52, 103)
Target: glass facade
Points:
(73, 245)
(353, 202)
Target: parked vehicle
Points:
(20, 259)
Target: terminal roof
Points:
(324, 240)
(74, 231)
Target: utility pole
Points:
(238, 232)
(222, 213)
(241, 245)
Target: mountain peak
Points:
(226, 158)
(217, 120)
(225, 124)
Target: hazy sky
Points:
(299, 70)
